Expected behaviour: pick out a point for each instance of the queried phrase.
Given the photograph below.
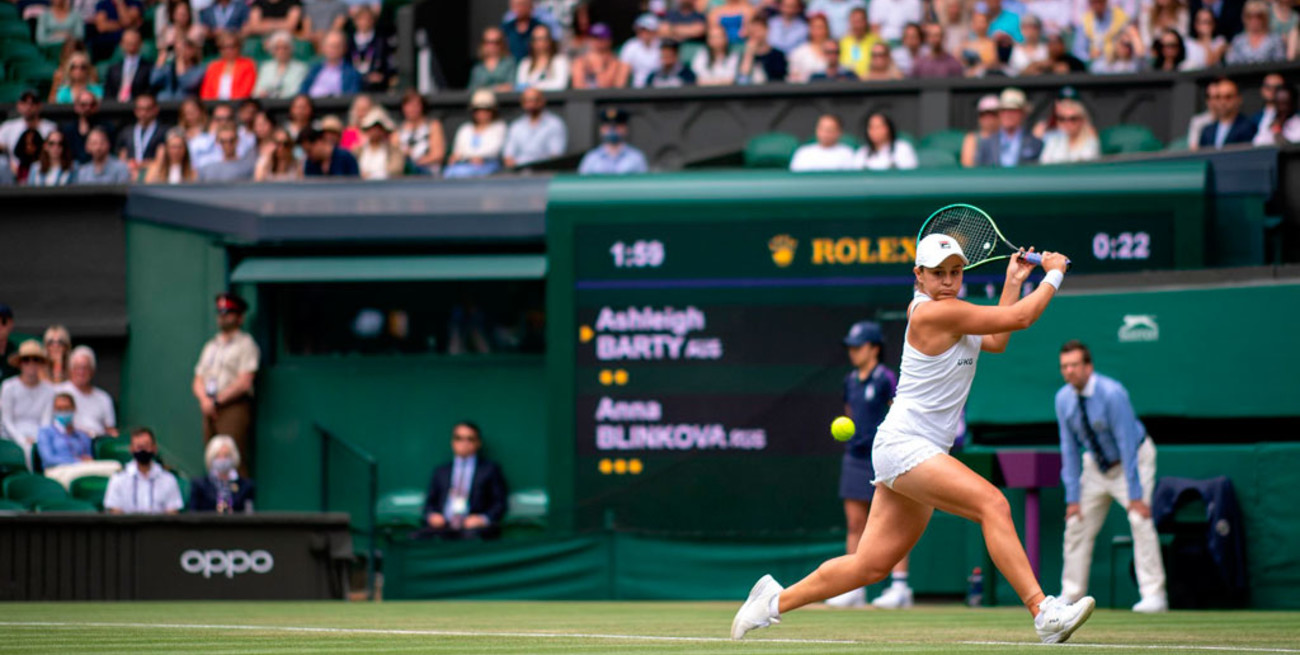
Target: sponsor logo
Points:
(968, 361)
(946, 245)
(228, 563)
(1139, 327)
(783, 247)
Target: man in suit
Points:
(467, 497)
(1229, 125)
(138, 142)
(128, 78)
(1012, 145)
(224, 16)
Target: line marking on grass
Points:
(584, 635)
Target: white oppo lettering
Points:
(226, 562)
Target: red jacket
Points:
(245, 76)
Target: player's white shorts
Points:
(893, 455)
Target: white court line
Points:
(583, 635)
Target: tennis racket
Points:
(976, 233)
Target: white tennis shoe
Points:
(759, 610)
(1057, 619)
(852, 598)
(895, 597)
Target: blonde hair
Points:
(215, 444)
(1086, 129)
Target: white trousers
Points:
(1096, 490)
(65, 474)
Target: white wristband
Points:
(1054, 278)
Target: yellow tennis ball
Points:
(842, 428)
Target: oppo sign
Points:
(229, 563)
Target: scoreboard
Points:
(695, 325)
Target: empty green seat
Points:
(401, 508)
(112, 448)
(30, 489)
(1177, 145)
(12, 459)
(303, 50)
(527, 506)
(1129, 138)
(14, 30)
(65, 505)
(91, 489)
(9, 12)
(945, 140)
(770, 150)
(183, 483)
(936, 158)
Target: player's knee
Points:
(993, 507)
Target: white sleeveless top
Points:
(932, 390)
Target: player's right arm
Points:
(960, 317)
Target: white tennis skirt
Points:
(893, 455)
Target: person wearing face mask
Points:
(65, 450)
(143, 487)
(615, 156)
(222, 490)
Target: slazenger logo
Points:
(226, 562)
(1139, 327)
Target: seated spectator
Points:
(1074, 139)
(716, 64)
(1059, 60)
(599, 68)
(826, 153)
(837, 14)
(77, 75)
(1283, 126)
(86, 109)
(232, 76)
(955, 16)
(1227, 14)
(685, 23)
(1229, 126)
(518, 27)
(377, 157)
(1002, 20)
(759, 54)
(883, 150)
(614, 156)
(302, 111)
(334, 75)
(1285, 18)
(179, 72)
(112, 17)
(788, 29)
(26, 155)
(495, 69)
(641, 52)
(58, 349)
(282, 75)
(1202, 119)
(733, 17)
(102, 168)
(65, 450)
(143, 486)
(222, 490)
(229, 167)
(228, 16)
(910, 49)
(476, 150)
(1032, 50)
(1012, 145)
(1098, 30)
(980, 52)
(95, 415)
(855, 47)
(889, 17)
(421, 138)
(59, 24)
(986, 127)
(331, 128)
(138, 142)
(352, 133)
(1170, 53)
(467, 497)
(320, 17)
(831, 68)
(263, 130)
(1206, 47)
(25, 399)
(130, 76)
(543, 68)
(882, 64)
(174, 23)
(536, 135)
(368, 51)
(29, 117)
(1161, 17)
(171, 163)
(672, 72)
(1268, 93)
(267, 17)
(54, 165)
(1257, 44)
(809, 58)
(205, 147)
(325, 159)
(277, 162)
(1123, 58)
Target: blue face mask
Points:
(63, 419)
(611, 136)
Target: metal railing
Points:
(372, 495)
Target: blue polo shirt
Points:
(58, 447)
(625, 161)
(868, 401)
(1119, 432)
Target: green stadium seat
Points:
(9, 12)
(1177, 145)
(7, 505)
(184, 484)
(30, 489)
(528, 506)
(90, 489)
(946, 140)
(936, 158)
(304, 51)
(12, 459)
(14, 31)
(253, 48)
(65, 505)
(400, 509)
(906, 136)
(770, 150)
(111, 448)
(1129, 138)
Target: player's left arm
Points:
(1017, 273)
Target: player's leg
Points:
(855, 519)
(1081, 530)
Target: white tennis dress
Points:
(927, 409)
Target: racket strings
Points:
(972, 230)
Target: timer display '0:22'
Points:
(638, 254)
(1125, 245)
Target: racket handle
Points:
(1035, 258)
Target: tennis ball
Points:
(842, 428)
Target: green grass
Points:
(517, 627)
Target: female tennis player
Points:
(914, 473)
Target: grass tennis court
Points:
(603, 627)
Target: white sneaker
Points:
(1057, 620)
(757, 611)
(1152, 605)
(853, 598)
(894, 598)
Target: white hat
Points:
(647, 21)
(935, 248)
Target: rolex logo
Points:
(783, 247)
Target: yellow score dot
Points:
(607, 377)
(585, 334)
(635, 467)
(620, 466)
(606, 467)
(620, 377)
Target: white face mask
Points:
(222, 466)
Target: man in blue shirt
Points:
(65, 450)
(1106, 454)
(615, 156)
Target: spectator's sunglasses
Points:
(57, 342)
(461, 437)
(1069, 118)
(79, 65)
(31, 360)
(284, 143)
(1169, 44)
